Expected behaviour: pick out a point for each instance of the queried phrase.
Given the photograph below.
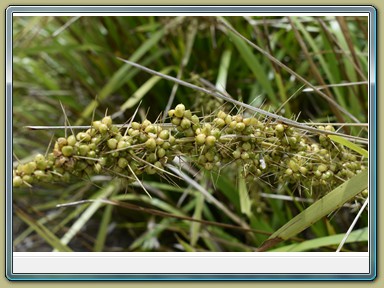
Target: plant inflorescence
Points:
(263, 149)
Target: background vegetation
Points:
(73, 60)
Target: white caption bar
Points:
(170, 262)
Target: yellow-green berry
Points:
(293, 165)
(221, 114)
(303, 170)
(179, 110)
(240, 126)
(84, 149)
(208, 166)
(322, 168)
(122, 163)
(62, 141)
(176, 121)
(123, 144)
(107, 120)
(210, 140)
(171, 112)
(279, 128)
(188, 114)
(103, 128)
(164, 134)
(67, 151)
(200, 139)
(71, 140)
(160, 152)
(96, 124)
(17, 181)
(288, 171)
(150, 144)
(29, 167)
(236, 154)
(185, 123)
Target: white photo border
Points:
(25, 260)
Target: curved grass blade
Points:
(330, 202)
(43, 231)
(88, 213)
(360, 235)
(143, 90)
(349, 144)
(254, 65)
(247, 106)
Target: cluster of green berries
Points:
(261, 148)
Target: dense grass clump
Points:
(258, 148)
(220, 176)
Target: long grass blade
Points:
(330, 202)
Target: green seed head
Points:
(288, 171)
(201, 159)
(122, 163)
(219, 122)
(166, 145)
(236, 154)
(179, 110)
(150, 170)
(208, 166)
(71, 140)
(164, 134)
(238, 118)
(245, 155)
(150, 144)
(293, 165)
(171, 113)
(160, 152)
(84, 149)
(216, 132)
(39, 174)
(188, 114)
(329, 128)
(195, 119)
(28, 179)
(84, 137)
(221, 114)
(228, 119)
(159, 141)
(240, 126)
(135, 125)
(200, 139)
(327, 175)
(246, 146)
(39, 158)
(176, 121)
(123, 144)
(322, 168)
(210, 156)
(107, 120)
(303, 170)
(62, 142)
(96, 124)
(279, 128)
(158, 165)
(185, 123)
(210, 140)
(91, 154)
(97, 168)
(67, 151)
(172, 140)
(151, 129)
(17, 181)
(189, 132)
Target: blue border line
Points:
(201, 9)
